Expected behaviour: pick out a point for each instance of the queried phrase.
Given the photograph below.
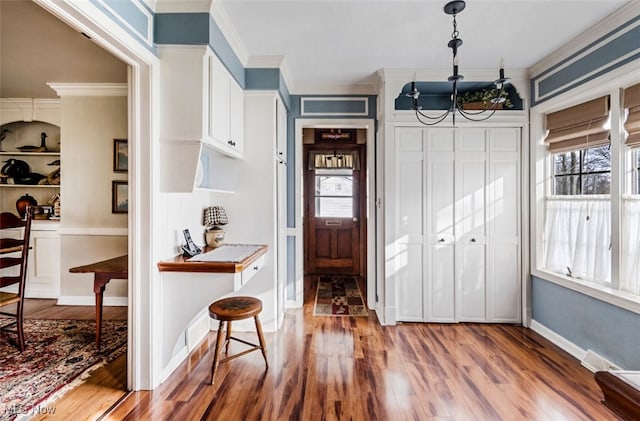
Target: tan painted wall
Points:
(89, 126)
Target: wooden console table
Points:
(104, 271)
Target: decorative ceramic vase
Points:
(23, 202)
(214, 237)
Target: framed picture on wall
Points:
(120, 155)
(119, 197)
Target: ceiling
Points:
(36, 48)
(344, 42)
(327, 44)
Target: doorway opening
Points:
(335, 205)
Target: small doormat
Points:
(58, 355)
(339, 296)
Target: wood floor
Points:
(351, 368)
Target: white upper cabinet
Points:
(202, 124)
(226, 110)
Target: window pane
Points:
(567, 185)
(329, 185)
(334, 207)
(597, 159)
(567, 162)
(596, 183)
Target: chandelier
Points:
(453, 8)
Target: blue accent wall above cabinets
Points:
(588, 323)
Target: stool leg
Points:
(263, 347)
(216, 352)
(226, 348)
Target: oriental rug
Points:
(339, 296)
(59, 354)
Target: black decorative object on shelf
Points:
(41, 148)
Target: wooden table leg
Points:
(99, 284)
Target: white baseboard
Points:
(197, 331)
(558, 340)
(173, 364)
(73, 300)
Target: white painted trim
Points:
(337, 123)
(221, 18)
(89, 89)
(177, 359)
(94, 231)
(77, 300)
(601, 29)
(558, 340)
(301, 89)
(304, 100)
(182, 6)
(143, 356)
(581, 56)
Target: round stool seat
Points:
(235, 308)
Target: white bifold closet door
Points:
(458, 223)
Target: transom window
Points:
(582, 172)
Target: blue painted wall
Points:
(137, 15)
(589, 323)
(619, 46)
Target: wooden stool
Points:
(228, 310)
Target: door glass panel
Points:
(334, 193)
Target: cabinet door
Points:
(440, 281)
(410, 207)
(281, 131)
(218, 101)
(471, 200)
(503, 226)
(236, 116)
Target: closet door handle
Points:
(441, 240)
(473, 240)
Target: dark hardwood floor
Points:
(351, 368)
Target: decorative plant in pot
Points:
(481, 99)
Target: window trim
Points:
(580, 173)
(541, 184)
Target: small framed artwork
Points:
(120, 155)
(119, 197)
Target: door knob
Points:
(441, 240)
(473, 240)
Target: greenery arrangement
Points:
(484, 96)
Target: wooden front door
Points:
(334, 212)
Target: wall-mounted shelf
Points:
(18, 153)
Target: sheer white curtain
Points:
(631, 246)
(578, 238)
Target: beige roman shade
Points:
(632, 123)
(578, 127)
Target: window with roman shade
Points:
(632, 123)
(579, 127)
(578, 215)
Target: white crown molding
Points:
(334, 90)
(181, 6)
(89, 89)
(597, 31)
(224, 23)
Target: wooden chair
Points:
(228, 310)
(12, 245)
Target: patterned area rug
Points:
(58, 354)
(339, 296)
